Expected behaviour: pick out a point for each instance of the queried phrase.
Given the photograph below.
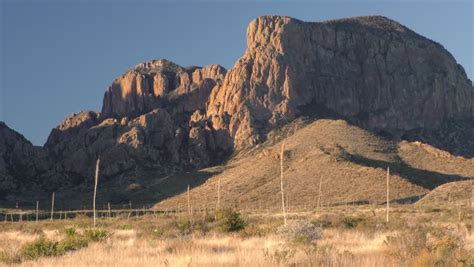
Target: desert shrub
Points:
(209, 217)
(32, 229)
(424, 246)
(155, 230)
(280, 256)
(251, 231)
(407, 244)
(352, 222)
(201, 226)
(9, 257)
(70, 231)
(72, 243)
(301, 231)
(124, 226)
(323, 223)
(96, 234)
(41, 247)
(184, 227)
(464, 257)
(230, 221)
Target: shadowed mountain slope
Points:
(161, 123)
(351, 161)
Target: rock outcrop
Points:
(160, 83)
(20, 161)
(153, 117)
(372, 71)
(71, 126)
(161, 118)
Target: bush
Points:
(96, 234)
(9, 257)
(40, 248)
(352, 222)
(407, 244)
(70, 231)
(230, 221)
(184, 227)
(300, 231)
(43, 247)
(323, 223)
(423, 246)
(125, 226)
(251, 231)
(72, 243)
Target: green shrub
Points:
(41, 247)
(184, 227)
(96, 234)
(125, 226)
(70, 231)
(73, 243)
(230, 221)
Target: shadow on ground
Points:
(420, 177)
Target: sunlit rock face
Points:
(153, 117)
(160, 118)
(372, 71)
(160, 83)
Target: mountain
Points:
(19, 161)
(349, 162)
(371, 71)
(163, 121)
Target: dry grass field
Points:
(338, 236)
(341, 224)
(351, 162)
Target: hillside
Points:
(341, 94)
(450, 195)
(351, 161)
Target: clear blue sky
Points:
(58, 57)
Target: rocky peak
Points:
(71, 126)
(160, 117)
(369, 70)
(154, 84)
(18, 160)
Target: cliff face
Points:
(153, 118)
(163, 118)
(19, 161)
(160, 83)
(370, 70)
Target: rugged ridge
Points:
(153, 118)
(159, 118)
(160, 83)
(372, 71)
(19, 161)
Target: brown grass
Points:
(351, 237)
